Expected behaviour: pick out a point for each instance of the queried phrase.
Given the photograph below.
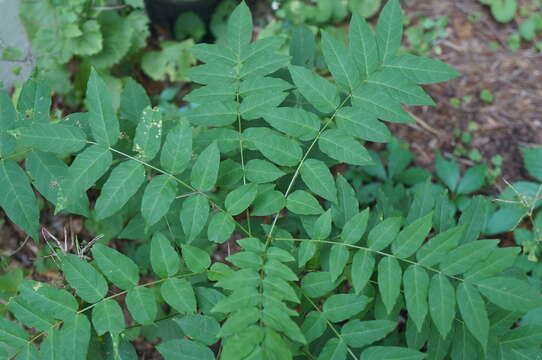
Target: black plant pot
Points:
(165, 12)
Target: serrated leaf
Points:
(464, 257)
(344, 148)
(75, 337)
(133, 100)
(186, 349)
(194, 215)
(379, 104)
(107, 316)
(164, 259)
(218, 113)
(142, 305)
(196, 259)
(118, 268)
(148, 136)
(55, 138)
(338, 258)
(205, 170)
(158, 196)
(340, 64)
(389, 30)
(122, 184)
(391, 353)
(178, 293)
(363, 47)
(262, 171)
(384, 233)
(510, 294)
(359, 123)
(220, 227)
(294, 122)
(358, 334)
(318, 178)
(8, 117)
(421, 70)
(411, 237)
(319, 92)
(363, 265)
(302, 203)
(442, 303)
(177, 149)
(89, 284)
(102, 118)
(439, 246)
(389, 281)
(473, 311)
(240, 199)
(17, 198)
(274, 146)
(340, 307)
(416, 286)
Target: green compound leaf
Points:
(178, 293)
(473, 311)
(318, 178)
(274, 146)
(196, 259)
(120, 187)
(416, 287)
(142, 305)
(148, 134)
(344, 148)
(102, 118)
(358, 334)
(158, 196)
(107, 316)
(302, 203)
(177, 150)
(240, 199)
(55, 138)
(340, 64)
(118, 268)
(205, 170)
(389, 281)
(194, 215)
(17, 198)
(89, 284)
(442, 303)
(322, 94)
(261, 171)
(340, 307)
(164, 259)
(294, 122)
(220, 228)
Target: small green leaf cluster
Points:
(312, 271)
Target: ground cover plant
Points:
(321, 265)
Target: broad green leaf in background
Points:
(295, 122)
(389, 30)
(302, 203)
(363, 47)
(340, 307)
(448, 172)
(344, 148)
(205, 170)
(262, 171)
(102, 118)
(473, 179)
(107, 316)
(194, 215)
(118, 268)
(55, 138)
(358, 334)
(157, 198)
(416, 286)
(133, 100)
(318, 178)
(89, 284)
(384, 233)
(142, 305)
(220, 227)
(122, 184)
(442, 303)
(240, 199)
(322, 94)
(340, 64)
(473, 311)
(8, 117)
(274, 146)
(148, 134)
(389, 281)
(17, 198)
(178, 293)
(363, 265)
(411, 237)
(172, 349)
(196, 259)
(177, 150)
(164, 259)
